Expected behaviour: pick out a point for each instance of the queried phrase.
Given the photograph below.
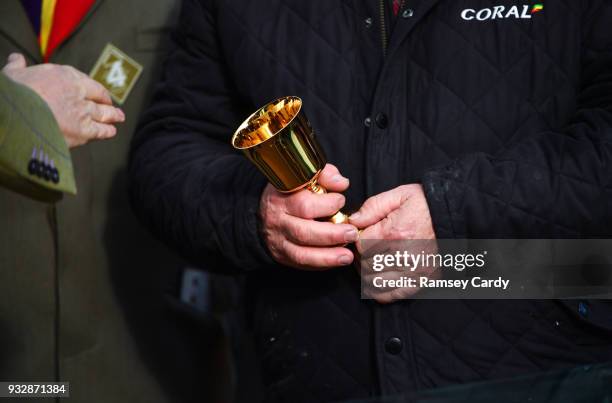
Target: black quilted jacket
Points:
(503, 113)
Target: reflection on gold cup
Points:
(279, 140)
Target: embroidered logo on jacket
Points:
(502, 12)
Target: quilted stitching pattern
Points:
(485, 340)
(494, 117)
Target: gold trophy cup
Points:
(279, 140)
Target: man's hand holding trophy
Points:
(302, 224)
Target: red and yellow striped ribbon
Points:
(46, 23)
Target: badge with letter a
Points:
(117, 72)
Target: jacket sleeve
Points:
(556, 184)
(188, 185)
(32, 146)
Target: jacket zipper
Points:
(383, 24)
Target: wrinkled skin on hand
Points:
(81, 106)
(293, 235)
(397, 220)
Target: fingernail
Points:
(338, 178)
(122, 115)
(344, 260)
(350, 235)
(355, 216)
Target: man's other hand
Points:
(81, 106)
(295, 238)
(387, 219)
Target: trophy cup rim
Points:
(246, 121)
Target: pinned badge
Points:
(117, 72)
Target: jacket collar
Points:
(403, 27)
(18, 28)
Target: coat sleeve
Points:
(556, 184)
(187, 184)
(29, 134)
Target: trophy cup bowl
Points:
(279, 140)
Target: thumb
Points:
(377, 207)
(15, 61)
(332, 180)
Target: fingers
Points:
(107, 114)
(317, 258)
(300, 242)
(378, 207)
(372, 241)
(94, 91)
(315, 233)
(15, 61)
(91, 89)
(101, 131)
(331, 179)
(305, 204)
(100, 122)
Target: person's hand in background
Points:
(81, 106)
(396, 220)
(293, 236)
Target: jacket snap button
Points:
(381, 121)
(367, 122)
(407, 13)
(368, 22)
(393, 345)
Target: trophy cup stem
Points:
(339, 217)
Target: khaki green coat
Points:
(63, 266)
